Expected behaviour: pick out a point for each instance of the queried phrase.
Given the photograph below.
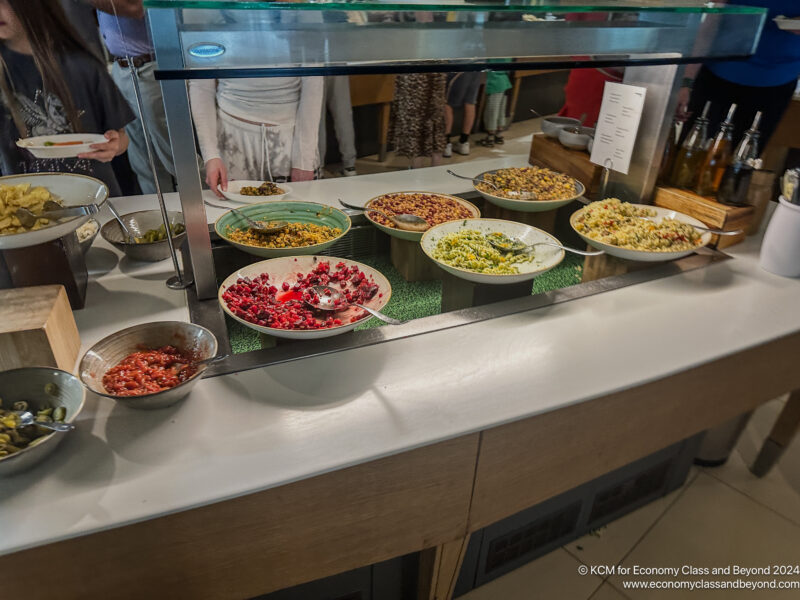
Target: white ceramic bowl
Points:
(545, 257)
(286, 269)
(415, 236)
(646, 255)
(36, 145)
(527, 205)
(70, 189)
(234, 187)
(552, 125)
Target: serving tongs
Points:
(54, 211)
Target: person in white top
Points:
(265, 129)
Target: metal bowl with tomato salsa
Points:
(141, 366)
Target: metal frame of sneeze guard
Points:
(261, 39)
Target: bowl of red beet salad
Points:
(148, 366)
(270, 296)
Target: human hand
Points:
(301, 175)
(106, 151)
(217, 176)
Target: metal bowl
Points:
(552, 125)
(28, 384)
(576, 141)
(87, 243)
(140, 223)
(109, 351)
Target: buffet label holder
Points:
(209, 314)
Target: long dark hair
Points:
(50, 35)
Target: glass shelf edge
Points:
(487, 7)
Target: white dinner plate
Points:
(786, 23)
(71, 189)
(545, 257)
(646, 255)
(37, 145)
(234, 187)
(286, 269)
(527, 205)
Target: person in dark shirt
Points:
(764, 82)
(51, 83)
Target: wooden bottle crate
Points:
(710, 212)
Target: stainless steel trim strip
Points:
(298, 350)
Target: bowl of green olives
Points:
(148, 240)
(53, 396)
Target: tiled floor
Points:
(722, 516)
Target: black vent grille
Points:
(353, 596)
(514, 545)
(628, 492)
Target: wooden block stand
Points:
(37, 329)
(599, 267)
(548, 152)
(458, 293)
(411, 262)
(710, 212)
(60, 261)
(542, 220)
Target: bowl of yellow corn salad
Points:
(548, 189)
(312, 228)
(463, 248)
(637, 231)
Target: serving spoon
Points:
(404, 221)
(128, 235)
(275, 227)
(328, 301)
(516, 246)
(26, 418)
(522, 194)
(178, 367)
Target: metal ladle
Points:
(255, 225)
(404, 221)
(26, 418)
(516, 246)
(328, 302)
(128, 235)
(522, 194)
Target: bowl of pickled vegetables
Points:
(51, 395)
(149, 243)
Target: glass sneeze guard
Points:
(225, 39)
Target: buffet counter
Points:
(316, 466)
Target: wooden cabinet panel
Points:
(265, 541)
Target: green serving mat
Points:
(411, 300)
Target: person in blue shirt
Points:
(763, 82)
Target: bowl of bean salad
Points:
(434, 208)
(552, 189)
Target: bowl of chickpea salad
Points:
(312, 227)
(529, 189)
